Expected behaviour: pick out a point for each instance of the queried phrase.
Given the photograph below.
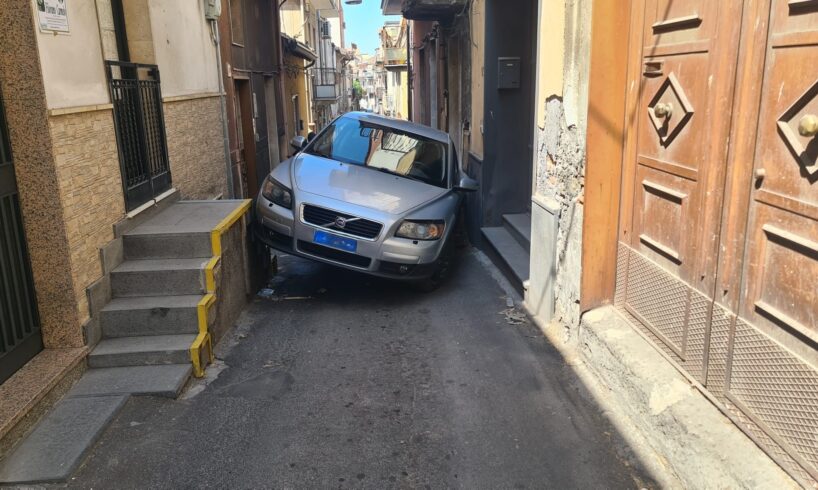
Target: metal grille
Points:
(136, 95)
(353, 225)
(20, 337)
(324, 76)
(696, 332)
(621, 275)
(658, 300)
(778, 389)
(719, 344)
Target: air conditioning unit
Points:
(212, 9)
(326, 30)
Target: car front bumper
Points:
(384, 256)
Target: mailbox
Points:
(508, 72)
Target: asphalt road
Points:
(341, 381)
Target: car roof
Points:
(401, 124)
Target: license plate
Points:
(335, 241)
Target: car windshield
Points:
(382, 148)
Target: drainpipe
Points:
(409, 67)
(214, 31)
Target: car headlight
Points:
(421, 230)
(277, 193)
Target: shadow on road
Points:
(335, 379)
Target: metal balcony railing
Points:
(325, 84)
(394, 56)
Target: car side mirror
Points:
(298, 142)
(467, 184)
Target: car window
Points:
(382, 148)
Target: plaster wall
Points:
(559, 160)
(72, 68)
(293, 22)
(183, 48)
(478, 46)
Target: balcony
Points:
(394, 57)
(328, 8)
(325, 84)
(423, 9)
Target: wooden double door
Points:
(718, 240)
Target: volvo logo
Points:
(340, 222)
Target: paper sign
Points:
(52, 15)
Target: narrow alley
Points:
(343, 381)
(477, 244)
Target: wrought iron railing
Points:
(136, 94)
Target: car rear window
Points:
(383, 148)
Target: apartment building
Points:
(108, 108)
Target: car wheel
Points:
(441, 273)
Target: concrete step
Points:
(142, 351)
(508, 254)
(58, 444)
(519, 225)
(180, 231)
(159, 277)
(166, 381)
(153, 315)
(140, 244)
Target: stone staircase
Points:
(509, 246)
(161, 288)
(152, 318)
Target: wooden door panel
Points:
(663, 217)
(782, 286)
(780, 293)
(676, 137)
(673, 26)
(773, 375)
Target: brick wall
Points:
(196, 147)
(90, 187)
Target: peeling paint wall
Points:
(559, 162)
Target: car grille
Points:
(333, 254)
(325, 218)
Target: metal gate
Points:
(136, 95)
(20, 338)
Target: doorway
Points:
(718, 244)
(20, 337)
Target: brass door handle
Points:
(663, 109)
(808, 125)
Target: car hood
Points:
(361, 186)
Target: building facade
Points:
(655, 157)
(394, 37)
(250, 50)
(108, 109)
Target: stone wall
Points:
(560, 169)
(196, 146)
(560, 175)
(87, 165)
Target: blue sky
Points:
(363, 22)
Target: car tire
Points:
(442, 269)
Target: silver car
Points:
(371, 194)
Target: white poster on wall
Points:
(52, 15)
